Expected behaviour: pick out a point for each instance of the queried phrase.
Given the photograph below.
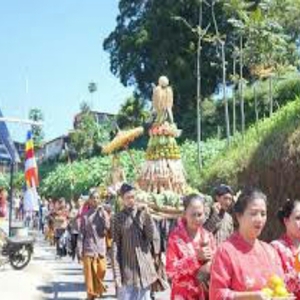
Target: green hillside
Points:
(268, 157)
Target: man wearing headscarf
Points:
(94, 227)
(219, 221)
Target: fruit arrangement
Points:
(167, 152)
(165, 129)
(167, 198)
(276, 289)
(160, 141)
(122, 140)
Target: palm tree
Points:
(36, 115)
(92, 87)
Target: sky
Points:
(49, 52)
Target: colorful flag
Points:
(31, 170)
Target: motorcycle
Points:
(17, 251)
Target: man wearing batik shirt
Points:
(219, 221)
(133, 233)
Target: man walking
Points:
(133, 233)
(220, 222)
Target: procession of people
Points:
(211, 252)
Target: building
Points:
(8, 151)
(100, 117)
(52, 149)
(20, 147)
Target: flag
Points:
(31, 170)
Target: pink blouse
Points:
(239, 266)
(287, 253)
(182, 264)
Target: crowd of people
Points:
(209, 253)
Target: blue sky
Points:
(49, 52)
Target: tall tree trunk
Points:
(222, 43)
(271, 95)
(241, 88)
(199, 110)
(234, 98)
(224, 93)
(255, 101)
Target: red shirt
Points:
(182, 263)
(240, 266)
(3, 207)
(287, 253)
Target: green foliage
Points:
(152, 38)
(261, 148)
(4, 181)
(36, 115)
(87, 138)
(132, 114)
(285, 88)
(70, 180)
(149, 41)
(19, 180)
(210, 149)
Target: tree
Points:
(132, 113)
(87, 138)
(92, 87)
(234, 81)
(266, 45)
(263, 43)
(148, 42)
(221, 41)
(35, 114)
(85, 107)
(200, 32)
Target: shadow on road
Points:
(60, 290)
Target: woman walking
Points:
(189, 253)
(243, 264)
(288, 245)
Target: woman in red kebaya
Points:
(189, 253)
(243, 264)
(3, 205)
(288, 246)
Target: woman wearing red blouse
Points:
(189, 253)
(3, 205)
(243, 264)
(288, 246)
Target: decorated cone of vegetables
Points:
(163, 169)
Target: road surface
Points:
(46, 278)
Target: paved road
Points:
(48, 279)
